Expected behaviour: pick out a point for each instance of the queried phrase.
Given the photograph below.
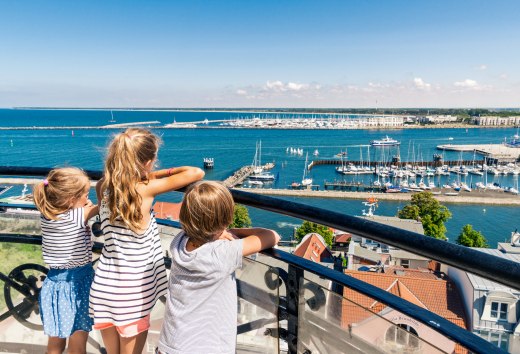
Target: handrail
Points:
(482, 264)
(458, 334)
(500, 270)
(430, 319)
(497, 269)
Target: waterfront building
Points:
(497, 121)
(493, 309)
(438, 119)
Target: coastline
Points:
(149, 125)
(473, 197)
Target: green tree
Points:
(308, 227)
(471, 238)
(240, 217)
(426, 209)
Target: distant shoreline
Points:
(125, 125)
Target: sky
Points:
(266, 53)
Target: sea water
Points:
(234, 148)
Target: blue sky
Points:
(349, 53)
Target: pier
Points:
(498, 153)
(238, 177)
(352, 186)
(376, 164)
(110, 126)
(473, 197)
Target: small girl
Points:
(201, 308)
(62, 199)
(130, 275)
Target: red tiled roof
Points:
(437, 295)
(416, 273)
(342, 238)
(312, 248)
(165, 210)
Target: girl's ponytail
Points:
(58, 192)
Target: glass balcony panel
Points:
(330, 323)
(257, 286)
(19, 221)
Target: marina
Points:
(233, 151)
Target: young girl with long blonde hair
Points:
(62, 199)
(130, 275)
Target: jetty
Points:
(376, 164)
(473, 197)
(496, 153)
(352, 186)
(238, 177)
(109, 126)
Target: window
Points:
(499, 339)
(405, 263)
(499, 310)
(403, 335)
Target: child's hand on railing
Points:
(226, 235)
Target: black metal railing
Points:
(494, 268)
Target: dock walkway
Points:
(473, 197)
(500, 152)
(238, 177)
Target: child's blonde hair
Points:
(60, 190)
(207, 208)
(125, 166)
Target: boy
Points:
(201, 309)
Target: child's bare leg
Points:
(78, 343)
(110, 340)
(133, 345)
(56, 345)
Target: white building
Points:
(493, 309)
(497, 121)
(438, 119)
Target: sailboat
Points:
(306, 180)
(112, 120)
(258, 171)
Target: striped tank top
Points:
(66, 242)
(130, 275)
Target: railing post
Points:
(295, 274)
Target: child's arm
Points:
(256, 239)
(90, 210)
(163, 181)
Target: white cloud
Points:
(279, 86)
(482, 67)
(420, 84)
(468, 83)
(241, 92)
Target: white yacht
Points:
(386, 141)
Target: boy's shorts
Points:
(128, 330)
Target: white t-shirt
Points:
(201, 307)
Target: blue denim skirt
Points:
(64, 301)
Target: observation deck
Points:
(287, 304)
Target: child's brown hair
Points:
(207, 208)
(60, 190)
